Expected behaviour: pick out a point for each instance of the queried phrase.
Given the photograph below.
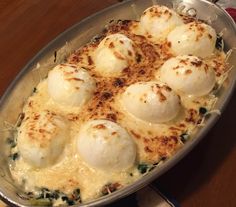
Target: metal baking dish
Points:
(12, 101)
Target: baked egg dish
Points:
(117, 107)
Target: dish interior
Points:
(13, 100)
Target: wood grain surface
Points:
(204, 178)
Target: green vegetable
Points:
(14, 156)
(64, 198)
(11, 142)
(46, 197)
(219, 43)
(184, 137)
(202, 110)
(143, 168)
(45, 193)
(70, 202)
(40, 202)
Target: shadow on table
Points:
(200, 165)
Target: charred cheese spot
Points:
(155, 148)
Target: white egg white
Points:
(188, 75)
(151, 101)
(69, 85)
(158, 21)
(105, 145)
(193, 39)
(41, 138)
(114, 53)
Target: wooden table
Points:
(206, 177)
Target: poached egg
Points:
(153, 102)
(188, 75)
(41, 138)
(158, 21)
(193, 39)
(105, 145)
(69, 85)
(114, 53)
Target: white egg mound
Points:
(114, 53)
(41, 138)
(151, 101)
(188, 75)
(193, 39)
(158, 21)
(106, 146)
(69, 85)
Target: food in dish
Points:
(41, 138)
(158, 21)
(151, 101)
(113, 54)
(69, 85)
(112, 147)
(195, 38)
(188, 75)
(116, 108)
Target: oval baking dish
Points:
(12, 102)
